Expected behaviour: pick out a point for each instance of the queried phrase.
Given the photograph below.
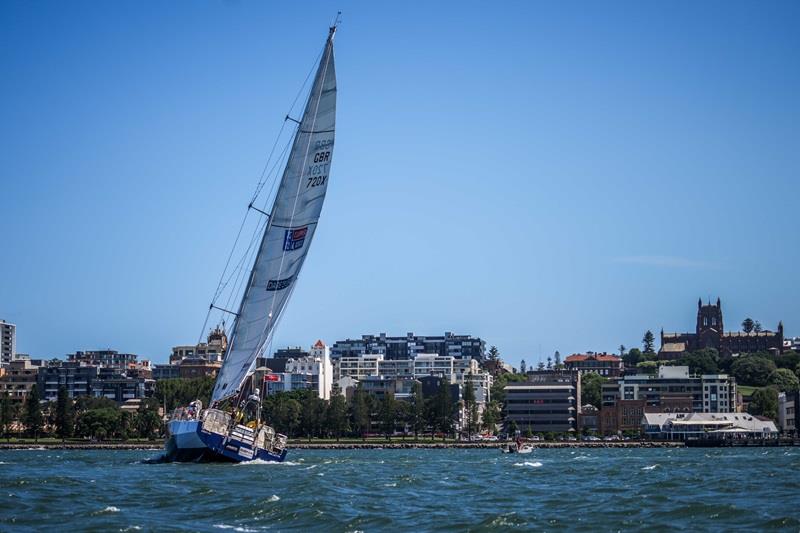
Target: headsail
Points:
(289, 231)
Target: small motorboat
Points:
(518, 447)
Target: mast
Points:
(290, 228)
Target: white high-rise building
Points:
(8, 342)
(314, 372)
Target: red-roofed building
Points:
(605, 364)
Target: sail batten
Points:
(289, 231)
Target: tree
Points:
(470, 408)
(705, 361)
(557, 357)
(402, 413)
(388, 414)
(522, 367)
(6, 414)
(310, 415)
(494, 354)
(649, 342)
(757, 327)
(444, 408)
(337, 416)
(361, 412)
(491, 416)
(622, 350)
(540, 366)
(498, 385)
(784, 379)
(34, 420)
(591, 386)
(752, 370)
(65, 414)
(748, 325)
(764, 402)
(417, 414)
(633, 357)
(549, 363)
(648, 367)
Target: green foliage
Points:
(764, 402)
(99, 423)
(361, 411)
(34, 420)
(416, 418)
(497, 392)
(633, 357)
(752, 370)
(704, 361)
(444, 409)
(179, 392)
(470, 408)
(790, 360)
(492, 416)
(494, 354)
(387, 411)
(65, 414)
(338, 423)
(784, 379)
(648, 342)
(6, 413)
(748, 325)
(591, 385)
(647, 367)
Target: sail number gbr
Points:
(319, 170)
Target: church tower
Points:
(709, 317)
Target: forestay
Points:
(289, 231)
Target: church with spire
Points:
(710, 333)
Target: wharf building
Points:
(607, 365)
(624, 401)
(8, 343)
(710, 333)
(708, 426)
(408, 347)
(546, 402)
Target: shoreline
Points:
(351, 445)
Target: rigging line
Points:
(256, 231)
(246, 258)
(262, 181)
(328, 51)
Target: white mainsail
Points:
(289, 231)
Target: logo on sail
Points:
(278, 284)
(294, 238)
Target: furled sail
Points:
(288, 233)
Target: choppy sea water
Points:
(419, 490)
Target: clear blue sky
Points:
(544, 176)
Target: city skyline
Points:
(647, 157)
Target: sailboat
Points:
(231, 429)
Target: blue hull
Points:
(189, 442)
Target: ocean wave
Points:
(535, 464)
(263, 462)
(274, 498)
(108, 509)
(651, 467)
(235, 528)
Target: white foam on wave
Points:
(310, 467)
(235, 528)
(4, 463)
(390, 484)
(535, 464)
(274, 498)
(263, 462)
(651, 467)
(109, 509)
